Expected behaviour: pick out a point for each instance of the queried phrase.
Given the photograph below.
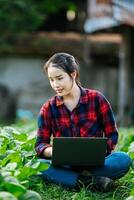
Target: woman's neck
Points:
(74, 93)
(71, 100)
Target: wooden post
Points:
(86, 51)
(123, 78)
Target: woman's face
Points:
(60, 81)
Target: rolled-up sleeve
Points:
(44, 130)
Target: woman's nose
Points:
(55, 84)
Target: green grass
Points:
(54, 192)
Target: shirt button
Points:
(71, 118)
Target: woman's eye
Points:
(60, 78)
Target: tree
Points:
(28, 15)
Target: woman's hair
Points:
(65, 62)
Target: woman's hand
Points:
(48, 152)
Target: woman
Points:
(77, 112)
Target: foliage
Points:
(126, 143)
(27, 15)
(19, 168)
(126, 136)
(21, 16)
(18, 163)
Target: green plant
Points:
(18, 162)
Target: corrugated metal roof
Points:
(122, 13)
(96, 24)
(125, 4)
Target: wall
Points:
(104, 79)
(25, 79)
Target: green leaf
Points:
(13, 157)
(132, 164)
(130, 198)
(36, 164)
(31, 169)
(25, 172)
(5, 134)
(3, 144)
(7, 196)
(15, 188)
(11, 179)
(1, 178)
(43, 166)
(11, 166)
(31, 195)
(9, 130)
(28, 145)
(132, 192)
(27, 154)
(5, 173)
(25, 183)
(19, 136)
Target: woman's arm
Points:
(42, 145)
(108, 123)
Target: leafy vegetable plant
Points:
(18, 163)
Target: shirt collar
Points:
(59, 100)
(83, 97)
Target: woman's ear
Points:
(74, 75)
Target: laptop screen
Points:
(79, 151)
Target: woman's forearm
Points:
(48, 152)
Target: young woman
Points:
(77, 112)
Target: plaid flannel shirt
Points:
(92, 117)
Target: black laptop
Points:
(79, 151)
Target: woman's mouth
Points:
(59, 91)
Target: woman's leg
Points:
(61, 176)
(116, 165)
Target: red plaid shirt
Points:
(92, 117)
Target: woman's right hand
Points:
(48, 152)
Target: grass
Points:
(54, 192)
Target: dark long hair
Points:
(65, 62)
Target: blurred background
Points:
(99, 33)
